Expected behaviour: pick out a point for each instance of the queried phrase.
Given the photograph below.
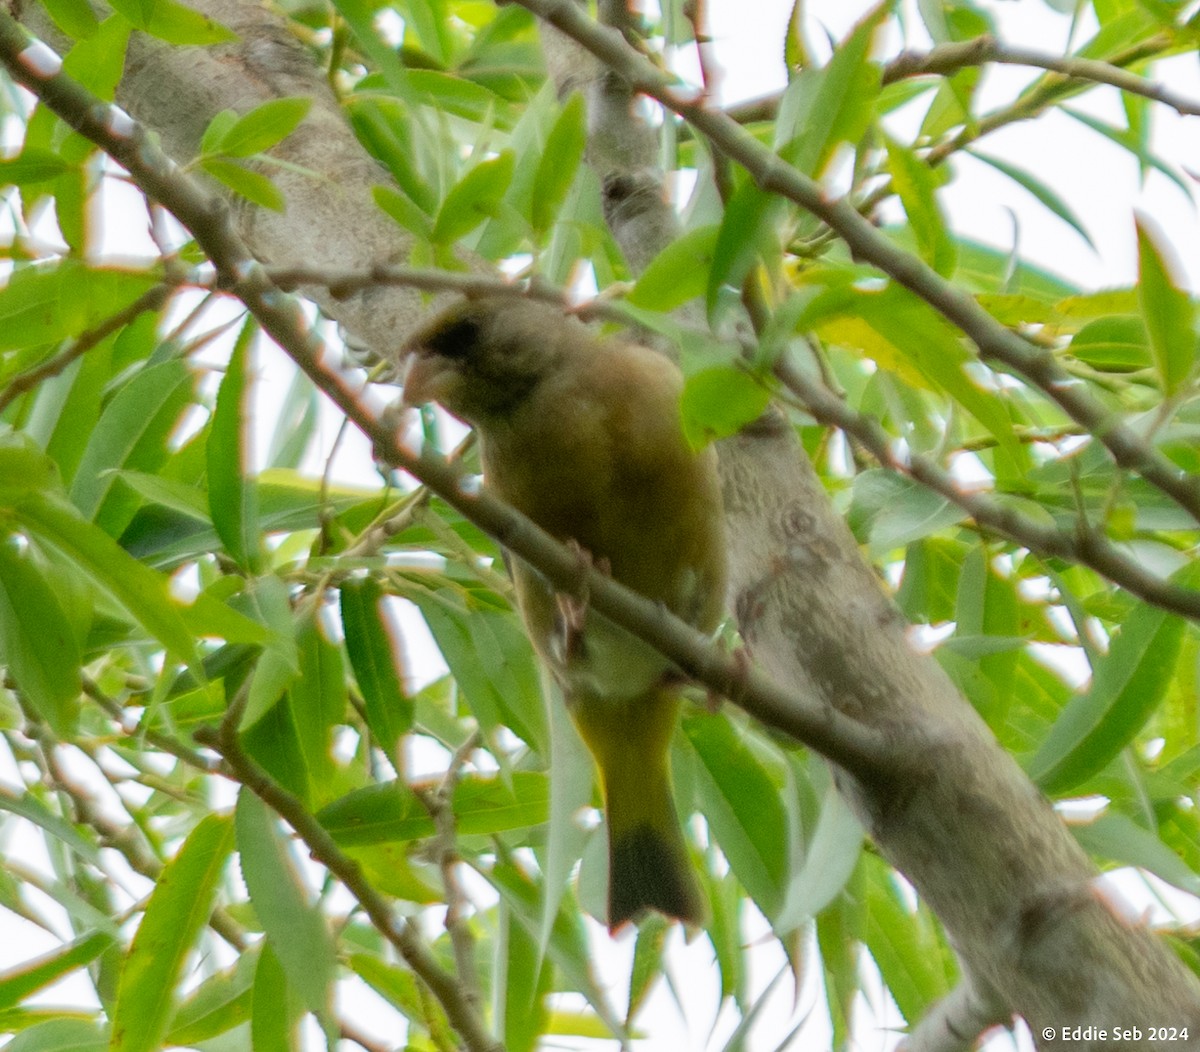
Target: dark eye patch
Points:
(457, 340)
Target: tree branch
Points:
(1085, 544)
(946, 59)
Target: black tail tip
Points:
(647, 871)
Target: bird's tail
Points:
(648, 863)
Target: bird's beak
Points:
(427, 378)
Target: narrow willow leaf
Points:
(823, 108)
(474, 198)
(178, 909)
(678, 273)
(719, 402)
(37, 641)
(141, 591)
(61, 1035)
(253, 186)
(1167, 311)
(741, 803)
(916, 184)
(274, 1013)
(28, 978)
(232, 495)
(402, 209)
(1127, 685)
(318, 701)
(1038, 189)
(830, 858)
(264, 126)
(914, 960)
(131, 434)
(173, 22)
(295, 929)
(218, 1004)
(1117, 837)
(32, 166)
(373, 645)
(558, 164)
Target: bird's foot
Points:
(573, 609)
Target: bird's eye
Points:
(455, 340)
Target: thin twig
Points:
(439, 803)
(150, 300)
(946, 59)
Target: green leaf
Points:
(491, 660)
(390, 811)
(217, 1005)
(905, 335)
(1115, 344)
(178, 909)
(61, 1035)
(891, 511)
(558, 164)
(719, 402)
(829, 860)
(373, 644)
(742, 805)
(404, 210)
(1127, 685)
(216, 130)
(1040, 190)
(263, 127)
(916, 964)
(568, 948)
(141, 591)
(29, 807)
(1117, 837)
(253, 186)
(748, 229)
(678, 273)
(318, 701)
(275, 1007)
(131, 434)
(98, 61)
(572, 782)
(232, 496)
(1167, 311)
(45, 304)
(430, 20)
(173, 22)
(295, 929)
(36, 640)
(24, 469)
(26, 979)
(916, 184)
(280, 663)
(474, 198)
(525, 979)
(32, 166)
(823, 108)
(74, 17)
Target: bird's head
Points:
(481, 359)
